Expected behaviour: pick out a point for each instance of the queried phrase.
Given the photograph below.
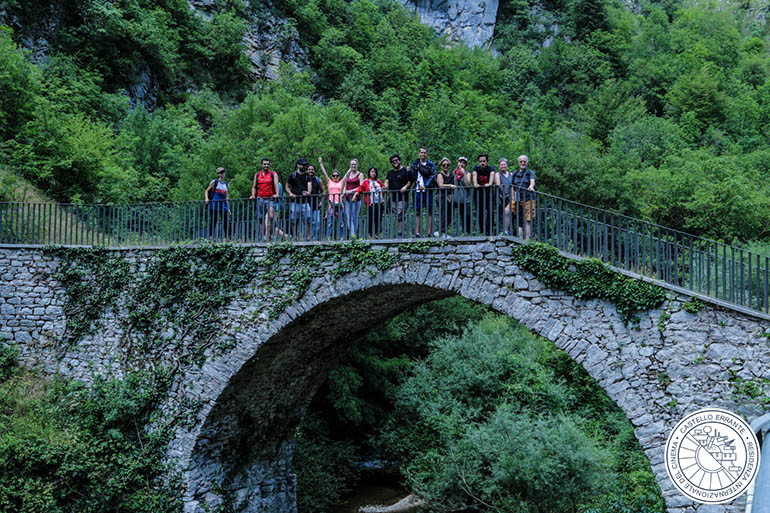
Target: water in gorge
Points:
(371, 493)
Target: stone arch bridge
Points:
(252, 394)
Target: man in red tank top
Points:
(264, 188)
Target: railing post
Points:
(767, 279)
(743, 283)
(708, 269)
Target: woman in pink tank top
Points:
(335, 187)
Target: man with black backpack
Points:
(299, 208)
(218, 205)
(265, 188)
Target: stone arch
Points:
(244, 443)
(673, 362)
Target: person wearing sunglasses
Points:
(334, 187)
(397, 183)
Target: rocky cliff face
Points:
(269, 40)
(469, 21)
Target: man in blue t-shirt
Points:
(423, 175)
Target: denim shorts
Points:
(264, 205)
(299, 211)
(423, 196)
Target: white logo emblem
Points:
(712, 456)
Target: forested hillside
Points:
(664, 114)
(660, 112)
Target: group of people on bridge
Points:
(307, 207)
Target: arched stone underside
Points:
(246, 438)
(253, 395)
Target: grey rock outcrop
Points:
(472, 22)
(269, 39)
(269, 42)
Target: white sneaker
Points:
(435, 234)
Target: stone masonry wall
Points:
(253, 395)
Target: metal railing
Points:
(758, 493)
(720, 271)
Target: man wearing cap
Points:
(299, 209)
(218, 203)
(397, 182)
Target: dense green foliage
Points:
(67, 448)
(488, 421)
(478, 413)
(662, 114)
(325, 466)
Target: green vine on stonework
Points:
(749, 388)
(93, 279)
(588, 279)
(309, 262)
(182, 293)
(422, 246)
(692, 306)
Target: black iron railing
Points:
(733, 275)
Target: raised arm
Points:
(323, 169)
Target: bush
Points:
(497, 420)
(19, 84)
(9, 355)
(67, 448)
(323, 466)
